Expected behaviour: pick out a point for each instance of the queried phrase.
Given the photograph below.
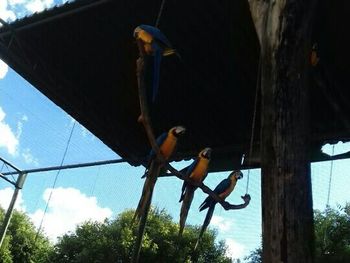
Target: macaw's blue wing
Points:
(156, 71)
(187, 172)
(157, 34)
(210, 203)
(160, 140)
(220, 188)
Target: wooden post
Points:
(284, 31)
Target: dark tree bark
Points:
(284, 31)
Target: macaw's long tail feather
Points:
(207, 202)
(205, 224)
(147, 191)
(183, 191)
(169, 52)
(141, 231)
(145, 207)
(156, 72)
(145, 174)
(186, 204)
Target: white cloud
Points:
(39, 5)
(6, 196)
(5, 13)
(68, 207)
(339, 148)
(24, 118)
(16, 2)
(20, 126)
(29, 158)
(10, 139)
(221, 223)
(3, 66)
(7, 138)
(235, 250)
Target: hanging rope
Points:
(160, 13)
(54, 182)
(258, 83)
(330, 179)
(327, 204)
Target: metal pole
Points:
(6, 179)
(9, 164)
(69, 166)
(19, 184)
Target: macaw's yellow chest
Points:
(229, 190)
(168, 147)
(145, 36)
(200, 170)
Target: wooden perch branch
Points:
(145, 119)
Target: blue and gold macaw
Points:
(197, 172)
(223, 190)
(167, 144)
(152, 42)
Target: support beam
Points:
(68, 166)
(284, 30)
(10, 164)
(19, 185)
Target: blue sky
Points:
(34, 133)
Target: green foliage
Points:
(332, 237)
(20, 245)
(112, 241)
(255, 256)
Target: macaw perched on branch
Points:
(197, 172)
(152, 42)
(223, 190)
(167, 144)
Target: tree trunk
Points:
(284, 31)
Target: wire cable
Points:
(160, 13)
(330, 178)
(258, 82)
(54, 182)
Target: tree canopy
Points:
(112, 241)
(332, 236)
(21, 243)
